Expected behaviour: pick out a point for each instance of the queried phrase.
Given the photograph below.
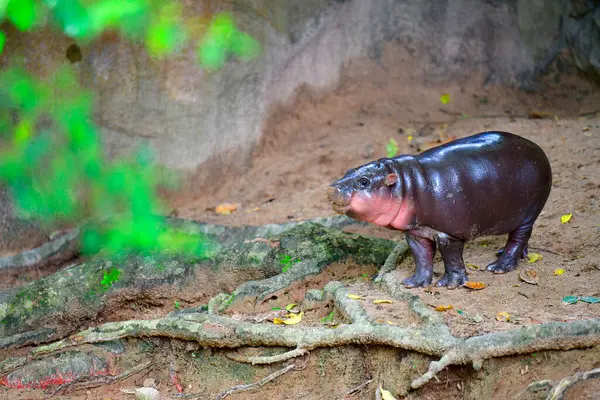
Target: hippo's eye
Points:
(363, 183)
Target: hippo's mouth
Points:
(340, 208)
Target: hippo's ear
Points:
(391, 179)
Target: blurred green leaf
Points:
(22, 13)
(3, 5)
(2, 41)
(391, 148)
(73, 18)
(445, 98)
(211, 54)
(110, 277)
(245, 46)
(163, 38)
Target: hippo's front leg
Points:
(451, 249)
(423, 250)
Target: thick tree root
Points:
(224, 332)
(316, 247)
(559, 389)
(60, 249)
(307, 247)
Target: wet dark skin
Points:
(492, 183)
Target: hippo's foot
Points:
(418, 279)
(502, 266)
(523, 253)
(453, 279)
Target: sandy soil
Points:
(314, 139)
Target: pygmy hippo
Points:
(491, 183)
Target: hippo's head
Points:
(366, 193)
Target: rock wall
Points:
(189, 116)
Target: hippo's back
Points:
(484, 184)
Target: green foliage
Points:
(223, 38)
(50, 151)
(110, 277)
(177, 305)
(328, 318)
(286, 262)
(391, 148)
(52, 161)
(160, 24)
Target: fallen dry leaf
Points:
(565, 218)
(226, 208)
(293, 319)
(529, 275)
(473, 266)
(444, 308)
(386, 395)
(534, 257)
(558, 271)
(475, 285)
(382, 301)
(503, 316)
(539, 114)
(354, 297)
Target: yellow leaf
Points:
(558, 271)
(445, 98)
(354, 297)
(475, 285)
(226, 208)
(277, 321)
(444, 308)
(533, 257)
(382, 301)
(255, 209)
(290, 306)
(390, 323)
(295, 318)
(409, 138)
(386, 395)
(565, 218)
(503, 316)
(473, 266)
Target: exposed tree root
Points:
(262, 382)
(99, 381)
(60, 249)
(224, 332)
(316, 247)
(266, 360)
(559, 389)
(358, 388)
(309, 246)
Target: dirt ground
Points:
(311, 141)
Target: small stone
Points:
(149, 383)
(147, 393)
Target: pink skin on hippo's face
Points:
(375, 203)
(380, 209)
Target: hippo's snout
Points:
(339, 199)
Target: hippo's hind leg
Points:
(423, 250)
(451, 249)
(515, 248)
